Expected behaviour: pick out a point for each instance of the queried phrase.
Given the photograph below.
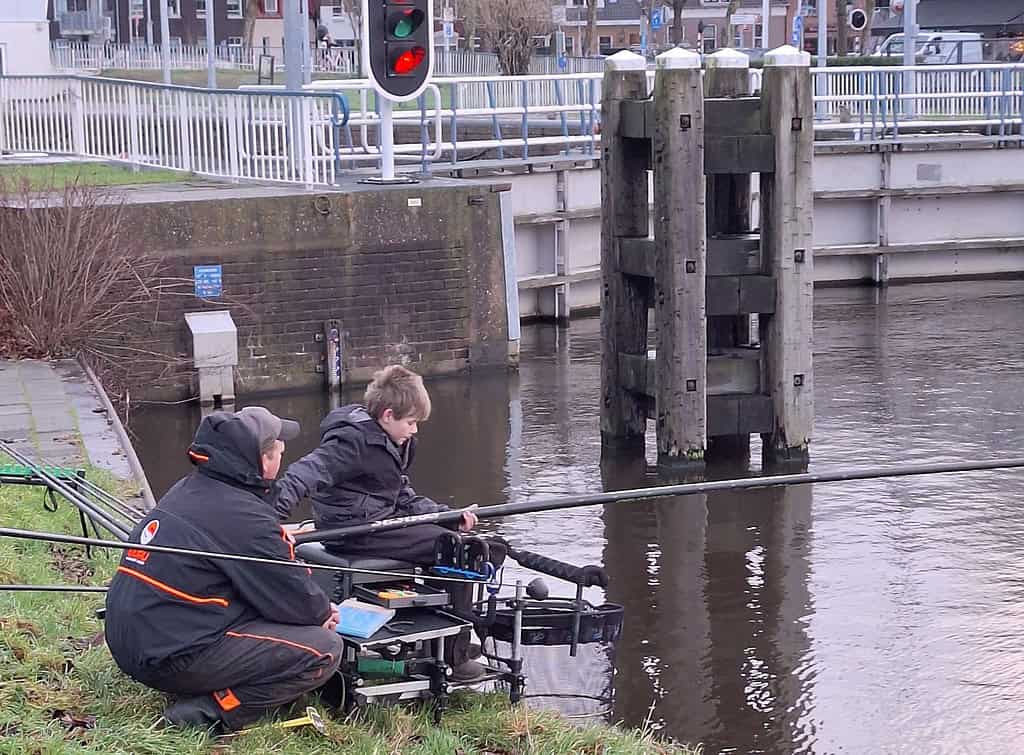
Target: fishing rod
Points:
(52, 537)
(116, 528)
(52, 588)
(663, 491)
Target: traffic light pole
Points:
(387, 141)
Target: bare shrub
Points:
(73, 283)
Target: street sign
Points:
(655, 18)
(798, 32)
(743, 19)
(449, 30)
(563, 62)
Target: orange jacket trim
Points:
(307, 648)
(170, 590)
(226, 699)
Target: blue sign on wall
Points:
(209, 282)
(655, 18)
(798, 31)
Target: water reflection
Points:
(890, 621)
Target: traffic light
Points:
(398, 46)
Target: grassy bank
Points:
(60, 691)
(58, 175)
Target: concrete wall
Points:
(920, 208)
(24, 37)
(414, 274)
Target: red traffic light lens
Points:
(408, 61)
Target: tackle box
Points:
(394, 595)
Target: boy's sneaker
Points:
(468, 672)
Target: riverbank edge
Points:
(60, 691)
(122, 436)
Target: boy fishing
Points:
(358, 474)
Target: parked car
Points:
(937, 48)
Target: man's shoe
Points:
(468, 672)
(202, 712)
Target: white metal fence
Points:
(272, 136)
(82, 57)
(268, 134)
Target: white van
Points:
(937, 47)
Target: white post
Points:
(387, 141)
(149, 24)
(165, 42)
(766, 17)
(823, 107)
(211, 61)
(909, 55)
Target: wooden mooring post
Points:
(703, 270)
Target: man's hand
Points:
(332, 621)
(469, 520)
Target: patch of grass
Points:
(58, 175)
(54, 669)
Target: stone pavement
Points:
(51, 412)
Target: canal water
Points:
(861, 617)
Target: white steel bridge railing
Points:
(310, 137)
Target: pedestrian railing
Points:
(308, 137)
(234, 134)
(83, 57)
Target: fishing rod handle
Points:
(586, 576)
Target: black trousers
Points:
(416, 545)
(255, 667)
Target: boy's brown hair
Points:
(400, 390)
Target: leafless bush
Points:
(73, 283)
(508, 27)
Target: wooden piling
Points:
(786, 253)
(680, 259)
(727, 75)
(625, 214)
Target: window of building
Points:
(271, 7)
(758, 35)
(605, 43)
(634, 39)
(173, 8)
(737, 36)
(200, 8)
(710, 38)
(234, 8)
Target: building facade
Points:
(138, 21)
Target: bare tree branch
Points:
(508, 28)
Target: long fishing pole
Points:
(52, 537)
(620, 496)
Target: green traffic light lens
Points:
(406, 22)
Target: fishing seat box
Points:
(339, 585)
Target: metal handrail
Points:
(240, 133)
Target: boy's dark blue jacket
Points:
(163, 607)
(356, 475)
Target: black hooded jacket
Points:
(357, 474)
(161, 607)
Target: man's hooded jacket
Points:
(163, 608)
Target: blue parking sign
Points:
(798, 31)
(655, 18)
